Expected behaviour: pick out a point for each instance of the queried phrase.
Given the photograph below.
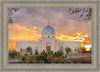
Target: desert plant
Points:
(13, 54)
(43, 55)
(24, 57)
(29, 49)
(83, 50)
(58, 54)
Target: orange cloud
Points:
(21, 33)
(78, 36)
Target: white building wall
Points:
(41, 45)
(25, 44)
(57, 45)
(72, 45)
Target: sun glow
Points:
(87, 47)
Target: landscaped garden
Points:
(50, 57)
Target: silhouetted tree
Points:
(86, 12)
(11, 11)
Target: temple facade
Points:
(48, 42)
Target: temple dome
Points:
(48, 30)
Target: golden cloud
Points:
(77, 36)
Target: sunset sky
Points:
(28, 24)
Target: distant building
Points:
(48, 42)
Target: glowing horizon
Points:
(28, 35)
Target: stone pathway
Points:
(75, 57)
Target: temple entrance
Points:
(36, 51)
(48, 47)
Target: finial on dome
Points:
(48, 21)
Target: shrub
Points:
(58, 54)
(67, 49)
(20, 62)
(13, 54)
(83, 50)
(44, 57)
(49, 58)
(24, 57)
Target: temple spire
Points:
(48, 21)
